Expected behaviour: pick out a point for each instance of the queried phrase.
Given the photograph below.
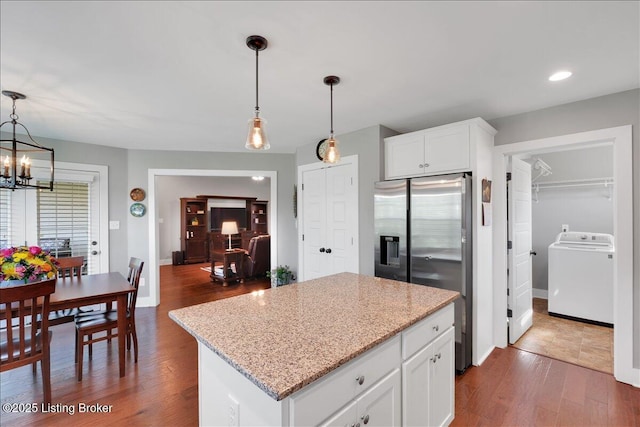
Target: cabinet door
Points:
(442, 380)
(346, 417)
(428, 384)
(446, 150)
(380, 405)
(404, 156)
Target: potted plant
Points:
(281, 275)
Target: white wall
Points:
(171, 188)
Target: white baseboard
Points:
(481, 360)
(165, 261)
(540, 293)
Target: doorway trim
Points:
(154, 266)
(621, 140)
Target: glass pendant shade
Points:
(332, 155)
(257, 137)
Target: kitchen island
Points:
(342, 349)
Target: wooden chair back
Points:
(26, 339)
(133, 277)
(69, 266)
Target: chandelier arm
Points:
(29, 135)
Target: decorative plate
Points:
(321, 148)
(137, 210)
(137, 194)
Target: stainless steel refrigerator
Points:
(423, 236)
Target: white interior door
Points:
(339, 237)
(519, 298)
(313, 210)
(329, 220)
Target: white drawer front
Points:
(423, 332)
(324, 397)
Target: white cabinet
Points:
(428, 152)
(379, 406)
(428, 383)
(329, 221)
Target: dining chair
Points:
(26, 338)
(89, 324)
(67, 267)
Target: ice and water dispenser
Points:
(390, 251)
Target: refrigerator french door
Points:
(423, 236)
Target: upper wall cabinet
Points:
(434, 151)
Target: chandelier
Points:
(12, 151)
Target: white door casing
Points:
(519, 298)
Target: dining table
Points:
(102, 288)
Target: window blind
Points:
(64, 220)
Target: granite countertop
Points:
(284, 338)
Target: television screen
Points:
(219, 215)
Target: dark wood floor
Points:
(512, 387)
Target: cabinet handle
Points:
(360, 380)
(328, 250)
(439, 355)
(365, 419)
(426, 165)
(436, 328)
(321, 249)
(420, 166)
(434, 359)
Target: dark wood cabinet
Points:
(258, 216)
(194, 230)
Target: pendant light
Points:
(332, 154)
(257, 138)
(17, 151)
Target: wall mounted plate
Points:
(138, 210)
(137, 194)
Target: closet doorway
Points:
(571, 191)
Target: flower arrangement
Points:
(28, 263)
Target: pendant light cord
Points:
(257, 105)
(331, 110)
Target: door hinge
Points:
(302, 186)
(507, 291)
(351, 180)
(508, 176)
(509, 312)
(303, 237)
(509, 244)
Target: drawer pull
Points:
(365, 419)
(420, 166)
(436, 328)
(360, 380)
(426, 165)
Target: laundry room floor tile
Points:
(575, 342)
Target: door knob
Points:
(533, 253)
(321, 249)
(93, 243)
(328, 250)
(94, 252)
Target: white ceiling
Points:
(179, 76)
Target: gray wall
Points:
(367, 144)
(140, 161)
(169, 190)
(613, 110)
(116, 160)
(585, 208)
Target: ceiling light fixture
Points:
(257, 178)
(332, 154)
(257, 138)
(9, 177)
(560, 75)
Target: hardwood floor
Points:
(512, 387)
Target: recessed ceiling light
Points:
(257, 178)
(560, 75)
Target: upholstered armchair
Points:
(258, 259)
